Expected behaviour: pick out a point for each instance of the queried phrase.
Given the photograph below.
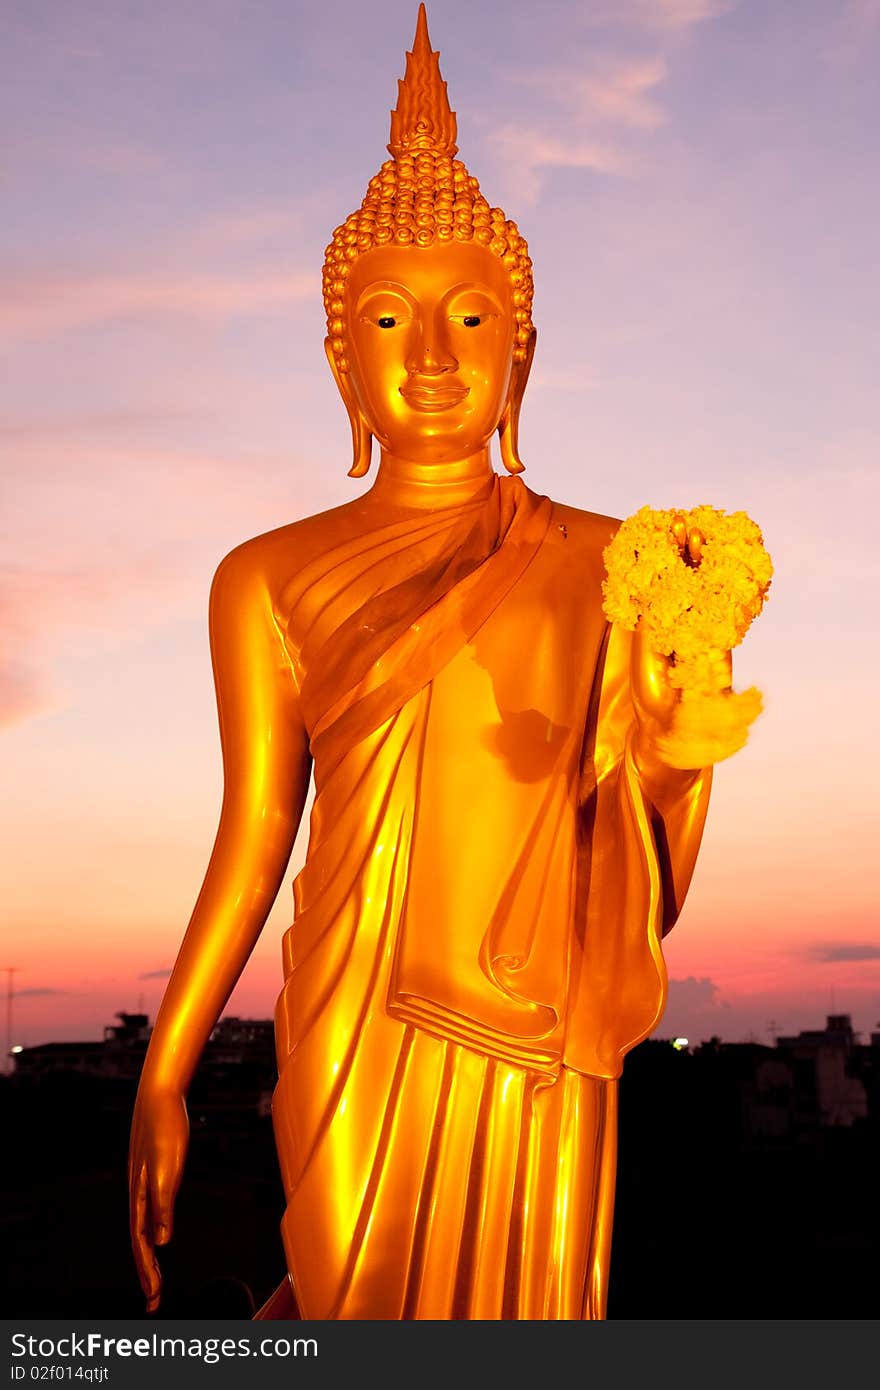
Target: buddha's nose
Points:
(429, 354)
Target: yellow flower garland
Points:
(693, 613)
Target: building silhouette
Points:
(826, 1071)
(815, 1080)
(754, 1165)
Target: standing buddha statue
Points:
(496, 845)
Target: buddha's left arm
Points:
(678, 797)
(641, 826)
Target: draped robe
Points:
(476, 941)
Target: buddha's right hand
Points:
(157, 1153)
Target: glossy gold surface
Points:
(495, 848)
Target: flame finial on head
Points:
(422, 119)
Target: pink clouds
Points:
(617, 92)
(84, 581)
(40, 304)
(698, 1008)
(21, 692)
(660, 14)
(596, 100)
(862, 16)
(72, 148)
(680, 14)
(38, 604)
(623, 95)
(249, 226)
(525, 153)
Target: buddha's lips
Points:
(433, 397)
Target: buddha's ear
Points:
(361, 439)
(508, 428)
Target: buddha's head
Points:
(428, 293)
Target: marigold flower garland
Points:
(694, 612)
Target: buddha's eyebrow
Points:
(471, 288)
(380, 287)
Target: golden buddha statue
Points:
(496, 847)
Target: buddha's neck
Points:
(404, 483)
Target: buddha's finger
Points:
(679, 531)
(138, 1204)
(162, 1202)
(142, 1244)
(695, 542)
(163, 1193)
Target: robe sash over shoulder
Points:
(440, 584)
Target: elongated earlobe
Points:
(361, 438)
(507, 438)
(508, 427)
(362, 446)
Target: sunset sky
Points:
(699, 186)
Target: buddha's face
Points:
(429, 342)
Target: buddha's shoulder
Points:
(274, 557)
(581, 532)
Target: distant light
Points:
(679, 1044)
(18, 1048)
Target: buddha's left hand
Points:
(657, 701)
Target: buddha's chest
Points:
(519, 690)
(527, 665)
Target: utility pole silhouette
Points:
(10, 995)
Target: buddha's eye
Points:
(471, 320)
(386, 321)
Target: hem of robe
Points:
(485, 1192)
(280, 1306)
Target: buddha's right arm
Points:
(266, 767)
